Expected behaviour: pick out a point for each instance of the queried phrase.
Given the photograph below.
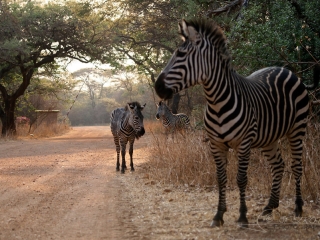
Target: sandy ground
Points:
(67, 188)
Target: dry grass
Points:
(42, 131)
(188, 161)
(50, 130)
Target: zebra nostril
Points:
(157, 116)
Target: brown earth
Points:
(66, 187)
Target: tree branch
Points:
(148, 42)
(227, 8)
(139, 63)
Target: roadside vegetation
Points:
(41, 131)
(188, 161)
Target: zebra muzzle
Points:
(140, 133)
(161, 89)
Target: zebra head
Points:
(136, 118)
(161, 110)
(194, 61)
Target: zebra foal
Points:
(126, 126)
(172, 122)
(241, 112)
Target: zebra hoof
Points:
(117, 169)
(216, 223)
(218, 219)
(132, 169)
(266, 211)
(243, 223)
(298, 212)
(123, 171)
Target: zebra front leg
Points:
(123, 155)
(116, 142)
(221, 163)
(296, 166)
(276, 163)
(131, 153)
(243, 153)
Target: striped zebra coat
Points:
(126, 126)
(241, 112)
(172, 122)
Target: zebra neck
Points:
(125, 125)
(167, 117)
(221, 86)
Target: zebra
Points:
(126, 126)
(172, 122)
(241, 112)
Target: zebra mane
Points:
(134, 104)
(212, 31)
(161, 103)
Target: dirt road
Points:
(63, 187)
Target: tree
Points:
(33, 38)
(282, 33)
(146, 34)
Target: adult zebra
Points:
(172, 122)
(126, 126)
(241, 112)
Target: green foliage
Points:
(146, 33)
(275, 34)
(34, 36)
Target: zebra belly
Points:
(223, 138)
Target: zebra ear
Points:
(142, 107)
(189, 32)
(131, 106)
(183, 30)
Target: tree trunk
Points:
(8, 123)
(7, 117)
(2, 118)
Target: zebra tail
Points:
(316, 77)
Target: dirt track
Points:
(62, 188)
(67, 188)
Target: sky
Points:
(76, 65)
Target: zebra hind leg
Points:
(296, 166)
(276, 163)
(131, 153)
